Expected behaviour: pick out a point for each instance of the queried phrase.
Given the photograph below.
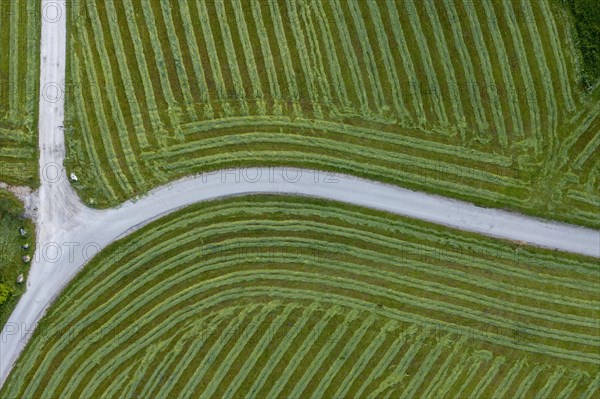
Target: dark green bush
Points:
(587, 27)
(12, 252)
(9, 203)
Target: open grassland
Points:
(19, 87)
(467, 99)
(268, 296)
(11, 252)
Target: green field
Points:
(19, 87)
(481, 102)
(274, 296)
(11, 252)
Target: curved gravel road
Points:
(69, 233)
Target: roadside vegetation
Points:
(465, 100)
(586, 14)
(12, 252)
(277, 296)
(19, 89)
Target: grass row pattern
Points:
(19, 88)
(277, 296)
(443, 97)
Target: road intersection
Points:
(69, 233)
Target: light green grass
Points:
(244, 296)
(469, 102)
(19, 88)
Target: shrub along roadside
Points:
(12, 251)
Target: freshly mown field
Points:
(467, 99)
(268, 296)
(19, 88)
(11, 252)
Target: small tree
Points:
(5, 293)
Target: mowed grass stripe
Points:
(364, 357)
(335, 68)
(316, 364)
(19, 92)
(592, 388)
(117, 40)
(340, 364)
(31, 78)
(226, 274)
(153, 369)
(286, 58)
(465, 61)
(385, 360)
(311, 245)
(399, 371)
(319, 52)
(445, 368)
(209, 342)
(389, 62)
(209, 43)
(559, 56)
(440, 149)
(567, 392)
(433, 87)
(124, 151)
(13, 65)
(530, 91)
(268, 368)
(329, 160)
(140, 56)
(192, 49)
(527, 382)
(108, 146)
(267, 56)
(161, 65)
(544, 71)
(445, 60)
(348, 234)
(462, 375)
(490, 89)
(151, 333)
(378, 95)
(181, 365)
(172, 358)
(291, 7)
(225, 365)
(429, 361)
(259, 348)
(419, 264)
(507, 380)
(182, 74)
(351, 61)
(510, 87)
(440, 289)
(209, 357)
(316, 56)
(406, 59)
(299, 353)
(251, 64)
(236, 76)
(197, 149)
(487, 379)
(92, 155)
